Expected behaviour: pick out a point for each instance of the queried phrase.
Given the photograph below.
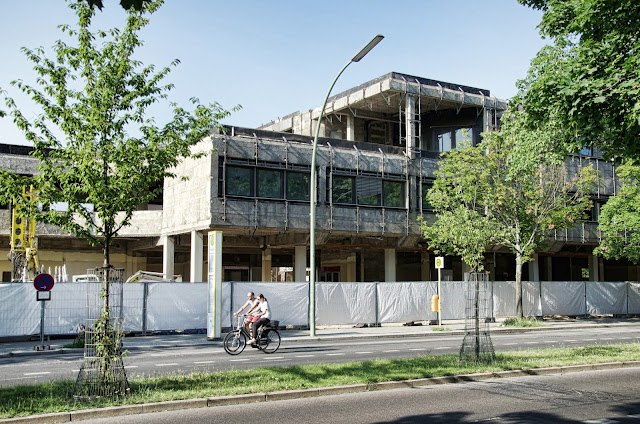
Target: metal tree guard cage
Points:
(102, 373)
(477, 345)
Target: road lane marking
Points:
(167, 365)
(305, 356)
(390, 351)
(510, 344)
(590, 340)
(239, 360)
(416, 348)
(274, 357)
(530, 342)
(204, 362)
(335, 354)
(363, 353)
(37, 373)
(571, 341)
(441, 347)
(128, 367)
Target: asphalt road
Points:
(609, 396)
(184, 360)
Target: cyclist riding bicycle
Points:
(261, 318)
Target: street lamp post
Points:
(312, 191)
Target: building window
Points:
(426, 186)
(342, 189)
(446, 139)
(369, 191)
(298, 186)
(239, 181)
(270, 183)
(393, 193)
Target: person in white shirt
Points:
(252, 303)
(264, 316)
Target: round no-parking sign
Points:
(43, 282)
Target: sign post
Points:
(43, 284)
(439, 266)
(214, 302)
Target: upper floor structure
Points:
(376, 159)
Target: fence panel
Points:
(531, 300)
(606, 298)
(289, 302)
(563, 298)
(345, 303)
(406, 301)
(176, 306)
(504, 298)
(452, 299)
(633, 297)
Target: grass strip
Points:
(523, 322)
(58, 396)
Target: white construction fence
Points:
(160, 306)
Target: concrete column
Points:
(534, 272)
(601, 268)
(594, 274)
(195, 272)
(351, 128)
(300, 264)
(425, 266)
(389, 265)
(410, 111)
(350, 271)
(266, 265)
(168, 256)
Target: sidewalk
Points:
(452, 328)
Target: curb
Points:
(174, 405)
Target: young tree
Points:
(513, 195)
(532, 192)
(457, 197)
(589, 79)
(98, 152)
(619, 219)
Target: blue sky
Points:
(278, 57)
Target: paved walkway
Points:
(23, 348)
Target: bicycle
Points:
(268, 339)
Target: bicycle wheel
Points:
(234, 342)
(271, 341)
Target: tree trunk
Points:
(519, 312)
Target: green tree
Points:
(503, 192)
(619, 219)
(532, 193)
(461, 227)
(589, 79)
(98, 153)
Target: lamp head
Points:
(366, 49)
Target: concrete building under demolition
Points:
(377, 157)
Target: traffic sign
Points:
(439, 262)
(43, 282)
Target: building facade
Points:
(377, 157)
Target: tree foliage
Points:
(503, 192)
(457, 197)
(619, 219)
(588, 81)
(98, 152)
(126, 4)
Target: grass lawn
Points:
(58, 396)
